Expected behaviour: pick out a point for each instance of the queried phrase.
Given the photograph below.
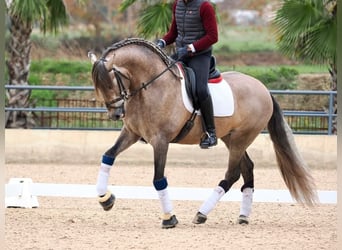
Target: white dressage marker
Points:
(21, 188)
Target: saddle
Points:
(190, 80)
(190, 86)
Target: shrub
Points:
(274, 78)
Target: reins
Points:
(144, 85)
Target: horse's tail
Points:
(292, 167)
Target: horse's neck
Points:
(146, 69)
(151, 73)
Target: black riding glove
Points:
(161, 43)
(183, 53)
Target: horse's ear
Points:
(92, 57)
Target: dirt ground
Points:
(69, 223)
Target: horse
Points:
(141, 85)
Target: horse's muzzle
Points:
(116, 114)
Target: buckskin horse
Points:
(140, 84)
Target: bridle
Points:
(124, 94)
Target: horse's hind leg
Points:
(232, 175)
(247, 188)
(239, 163)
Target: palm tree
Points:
(23, 15)
(154, 17)
(307, 30)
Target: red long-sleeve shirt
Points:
(208, 17)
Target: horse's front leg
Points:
(124, 141)
(160, 183)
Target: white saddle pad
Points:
(221, 94)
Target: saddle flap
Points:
(190, 85)
(190, 80)
(220, 91)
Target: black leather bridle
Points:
(123, 92)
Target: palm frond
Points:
(306, 30)
(295, 17)
(49, 14)
(57, 15)
(320, 45)
(154, 20)
(125, 4)
(28, 11)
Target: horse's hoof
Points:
(199, 218)
(243, 219)
(107, 201)
(170, 223)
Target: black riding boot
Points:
(209, 139)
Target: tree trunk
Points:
(333, 74)
(18, 64)
(333, 68)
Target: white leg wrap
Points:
(165, 201)
(247, 200)
(211, 202)
(102, 179)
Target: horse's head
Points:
(110, 83)
(123, 69)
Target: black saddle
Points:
(190, 81)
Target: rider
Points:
(194, 29)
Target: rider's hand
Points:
(161, 43)
(183, 52)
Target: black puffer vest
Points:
(189, 23)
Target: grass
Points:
(300, 68)
(278, 76)
(245, 39)
(60, 72)
(61, 66)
